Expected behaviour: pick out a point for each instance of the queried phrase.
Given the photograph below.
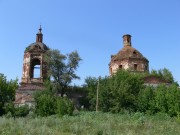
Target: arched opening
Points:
(35, 68)
(37, 71)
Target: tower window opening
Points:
(36, 71)
(135, 66)
(35, 68)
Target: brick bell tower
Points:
(34, 67)
(34, 71)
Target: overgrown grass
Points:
(92, 123)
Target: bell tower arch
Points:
(34, 71)
(34, 66)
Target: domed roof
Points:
(38, 46)
(128, 52)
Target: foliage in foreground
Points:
(7, 92)
(48, 103)
(92, 123)
(116, 93)
(16, 111)
(126, 91)
(161, 99)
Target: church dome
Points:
(128, 52)
(128, 58)
(38, 45)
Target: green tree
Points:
(105, 86)
(116, 93)
(62, 68)
(145, 100)
(173, 100)
(125, 88)
(91, 86)
(160, 99)
(7, 92)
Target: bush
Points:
(22, 111)
(163, 99)
(48, 103)
(45, 105)
(12, 111)
(145, 101)
(64, 106)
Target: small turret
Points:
(39, 35)
(127, 40)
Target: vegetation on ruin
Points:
(164, 74)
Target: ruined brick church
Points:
(128, 58)
(34, 71)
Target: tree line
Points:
(126, 92)
(121, 92)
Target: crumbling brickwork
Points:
(33, 58)
(128, 58)
(34, 55)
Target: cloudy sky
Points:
(92, 27)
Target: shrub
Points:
(19, 111)
(145, 101)
(45, 105)
(48, 103)
(22, 111)
(64, 106)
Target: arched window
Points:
(35, 68)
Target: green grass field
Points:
(92, 123)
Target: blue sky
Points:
(92, 27)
